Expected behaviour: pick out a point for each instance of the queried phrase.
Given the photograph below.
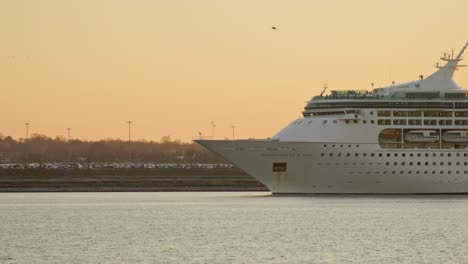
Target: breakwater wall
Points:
(96, 180)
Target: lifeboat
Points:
(390, 134)
(421, 136)
(455, 136)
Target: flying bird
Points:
(274, 28)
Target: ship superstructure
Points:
(404, 138)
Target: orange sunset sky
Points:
(174, 66)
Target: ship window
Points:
(403, 163)
(411, 154)
(449, 155)
(434, 163)
(458, 163)
(333, 146)
(341, 146)
(335, 121)
(433, 172)
(356, 121)
(331, 155)
(419, 154)
(387, 163)
(449, 172)
(441, 154)
(419, 163)
(464, 172)
(431, 114)
(458, 154)
(425, 172)
(364, 122)
(426, 163)
(445, 114)
(433, 154)
(430, 122)
(417, 172)
(393, 172)
(356, 154)
(339, 154)
(372, 121)
(385, 172)
(413, 122)
(347, 121)
(465, 154)
(449, 163)
(401, 172)
(400, 113)
(357, 146)
(347, 154)
(441, 172)
(324, 121)
(372, 154)
(409, 172)
(441, 163)
(395, 163)
(458, 172)
(371, 112)
(384, 113)
(396, 154)
(411, 163)
(427, 154)
(380, 154)
(324, 146)
(403, 154)
(388, 154)
(323, 154)
(465, 163)
(461, 114)
(364, 154)
(279, 166)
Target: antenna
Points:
(212, 129)
(233, 131)
(325, 87)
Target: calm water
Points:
(231, 228)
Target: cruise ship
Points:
(409, 138)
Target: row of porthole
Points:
(411, 172)
(347, 121)
(401, 164)
(341, 146)
(394, 154)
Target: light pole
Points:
(233, 130)
(68, 140)
(27, 129)
(129, 139)
(129, 129)
(68, 133)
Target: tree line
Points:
(41, 148)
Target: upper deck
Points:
(436, 91)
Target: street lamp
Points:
(27, 129)
(129, 138)
(68, 133)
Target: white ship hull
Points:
(308, 172)
(384, 141)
